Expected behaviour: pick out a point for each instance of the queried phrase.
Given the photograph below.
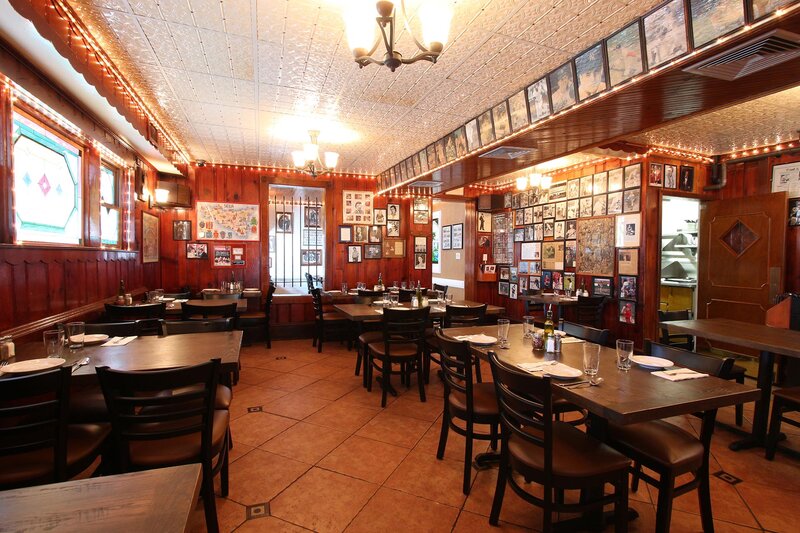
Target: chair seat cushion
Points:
(253, 315)
(659, 441)
(179, 450)
(333, 316)
(791, 394)
(484, 401)
(369, 337)
(87, 406)
(36, 467)
(222, 400)
(576, 456)
(395, 350)
(737, 370)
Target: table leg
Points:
(761, 415)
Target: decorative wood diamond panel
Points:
(739, 238)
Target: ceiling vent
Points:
(756, 54)
(508, 152)
(425, 184)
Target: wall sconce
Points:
(158, 200)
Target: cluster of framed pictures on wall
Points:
(378, 236)
(671, 177)
(671, 30)
(453, 237)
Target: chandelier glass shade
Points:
(308, 160)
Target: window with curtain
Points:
(47, 184)
(109, 206)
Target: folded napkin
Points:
(536, 367)
(180, 301)
(119, 341)
(568, 340)
(679, 374)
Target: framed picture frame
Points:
(312, 216)
(655, 178)
(460, 141)
(150, 234)
(393, 212)
(392, 228)
(375, 234)
(628, 230)
(310, 257)
(562, 87)
(596, 246)
(665, 33)
(539, 100)
(447, 234)
(284, 222)
(345, 234)
(473, 135)
(631, 200)
(222, 256)
(394, 248)
(686, 181)
(628, 288)
(420, 261)
(624, 52)
(628, 261)
(502, 124)
(379, 217)
(373, 251)
(615, 179)
(421, 217)
(531, 251)
(484, 222)
(712, 19)
(357, 206)
(486, 127)
(503, 288)
(360, 234)
(420, 244)
(602, 287)
(458, 236)
(354, 253)
(421, 204)
(632, 176)
(182, 230)
(518, 111)
(794, 212)
(627, 312)
(590, 70)
(196, 250)
(547, 279)
(237, 256)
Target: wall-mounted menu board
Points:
(502, 242)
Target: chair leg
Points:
(704, 498)
(774, 428)
(621, 504)
(368, 370)
(420, 380)
(493, 433)
(444, 432)
(635, 475)
(739, 406)
(223, 475)
(209, 501)
(666, 490)
(320, 336)
(359, 347)
(500, 488)
(386, 373)
(467, 459)
(478, 370)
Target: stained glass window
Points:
(109, 207)
(47, 185)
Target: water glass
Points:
(449, 299)
(403, 285)
(75, 334)
(528, 326)
(53, 342)
(395, 298)
(591, 359)
(624, 353)
(502, 331)
(361, 285)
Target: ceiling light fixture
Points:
(435, 18)
(307, 160)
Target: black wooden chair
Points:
(367, 297)
(474, 403)
(182, 327)
(37, 444)
(251, 322)
(589, 311)
(403, 343)
(553, 454)
(223, 309)
(146, 327)
(325, 320)
(406, 294)
(671, 451)
(214, 295)
(587, 333)
(784, 401)
(455, 316)
(186, 295)
(112, 329)
(441, 288)
(122, 313)
(151, 429)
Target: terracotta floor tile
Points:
(690, 523)
(259, 476)
(454, 450)
(252, 396)
(342, 416)
(411, 406)
(421, 474)
(391, 510)
(256, 376)
(775, 507)
(305, 442)
(361, 396)
(346, 372)
(269, 524)
(329, 390)
(365, 459)
(289, 382)
(398, 430)
(281, 363)
(254, 429)
(515, 510)
(726, 504)
(343, 361)
(475, 523)
(323, 501)
(239, 449)
(229, 514)
(297, 405)
(316, 370)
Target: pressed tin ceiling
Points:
(242, 80)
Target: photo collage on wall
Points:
(370, 232)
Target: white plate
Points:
(95, 338)
(562, 371)
(32, 365)
(167, 299)
(651, 362)
(482, 340)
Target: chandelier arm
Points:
(426, 56)
(408, 29)
(388, 42)
(366, 60)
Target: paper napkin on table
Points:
(535, 367)
(679, 375)
(568, 340)
(119, 341)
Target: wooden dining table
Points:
(767, 340)
(159, 500)
(362, 312)
(559, 300)
(175, 308)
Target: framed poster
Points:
(518, 110)
(473, 137)
(629, 228)
(486, 128)
(484, 222)
(624, 50)
(460, 140)
(372, 251)
(627, 288)
(313, 238)
(379, 217)
(222, 256)
(553, 255)
(149, 238)
(628, 261)
(420, 261)
(539, 100)
(562, 87)
(712, 19)
(502, 242)
(393, 248)
(596, 246)
(182, 230)
(531, 251)
(229, 222)
(312, 216)
(283, 222)
(458, 236)
(345, 234)
(601, 287)
(447, 233)
(665, 33)
(420, 217)
(196, 250)
(310, 257)
(591, 72)
(420, 244)
(393, 212)
(356, 207)
(502, 126)
(354, 253)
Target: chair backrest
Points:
(180, 327)
(367, 296)
(268, 302)
(221, 295)
(33, 417)
(310, 282)
(407, 294)
(316, 296)
(460, 316)
(456, 362)
(148, 327)
(194, 312)
(119, 313)
(139, 411)
(587, 333)
(589, 310)
(404, 326)
(442, 288)
(112, 329)
(178, 295)
(707, 364)
(666, 316)
(526, 408)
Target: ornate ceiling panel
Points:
(233, 78)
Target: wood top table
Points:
(558, 300)
(174, 308)
(768, 340)
(623, 397)
(362, 312)
(154, 501)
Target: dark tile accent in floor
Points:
(259, 510)
(728, 478)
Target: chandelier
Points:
(307, 160)
(435, 18)
(535, 181)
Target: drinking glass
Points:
(344, 288)
(591, 359)
(394, 284)
(75, 334)
(395, 299)
(53, 342)
(502, 331)
(528, 326)
(403, 285)
(449, 299)
(624, 352)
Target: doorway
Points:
(448, 259)
(679, 247)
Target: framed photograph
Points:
(586, 207)
(460, 140)
(559, 230)
(447, 236)
(379, 217)
(601, 287)
(518, 110)
(794, 212)
(421, 217)
(529, 233)
(656, 176)
(519, 234)
(553, 255)
(361, 234)
(505, 273)
(458, 236)
(313, 238)
(534, 283)
(523, 284)
(539, 100)
(420, 261)
(627, 288)
(599, 205)
(310, 257)
(570, 254)
(345, 234)
(375, 234)
(547, 279)
(624, 50)
(182, 230)
(486, 128)
(531, 251)
(489, 269)
(312, 216)
(473, 135)
(502, 126)
(222, 256)
(627, 312)
(502, 288)
(631, 200)
(596, 251)
(283, 222)
(712, 19)
(786, 178)
(237, 256)
(394, 248)
(393, 212)
(512, 291)
(440, 152)
(484, 242)
(150, 232)
(549, 227)
(665, 33)
(670, 177)
(571, 229)
(628, 261)
(587, 186)
(558, 281)
(569, 281)
(686, 182)
(573, 208)
(573, 188)
(357, 206)
(513, 274)
(762, 8)
(591, 72)
(450, 147)
(354, 254)
(600, 183)
(633, 176)
(562, 87)
(421, 204)
(420, 244)
(196, 250)
(629, 229)
(615, 178)
(392, 228)
(484, 222)
(372, 251)
(423, 160)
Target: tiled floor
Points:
(314, 451)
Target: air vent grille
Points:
(508, 152)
